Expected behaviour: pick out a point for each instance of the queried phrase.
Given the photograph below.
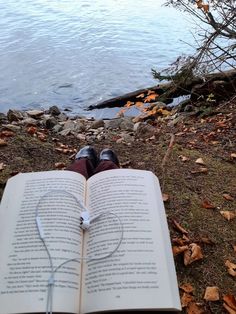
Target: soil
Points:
(210, 137)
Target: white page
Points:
(141, 274)
(24, 265)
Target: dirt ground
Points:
(196, 193)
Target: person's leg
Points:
(108, 161)
(85, 162)
(82, 166)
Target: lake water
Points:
(74, 53)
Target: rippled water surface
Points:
(75, 53)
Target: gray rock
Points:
(54, 111)
(159, 105)
(62, 117)
(3, 117)
(126, 124)
(29, 122)
(14, 115)
(49, 122)
(113, 123)
(136, 126)
(65, 132)
(57, 128)
(145, 130)
(81, 137)
(12, 127)
(97, 124)
(36, 114)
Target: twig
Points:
(164, 160)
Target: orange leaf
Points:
(32, 130)
(187, 287)
(150, 92)
(212, 294)
(229, 215)
(231, 268)
(178, 227)
(206, 204)
(186, 299)
(194, 308)
(205, 7)
(139, 104)
(129, 104)
(151, 97)
(229, 309)
(230, 301)
(194, 253)
(228, 197)
(179, 249)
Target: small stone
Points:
(97, 124)
(81, 137)
(54, 111)
(12, 127)
(49, 122)
(29, 122)
(35, 113)
(113, 123)
(65, 132)
(3, 117)
(57, 128)
(126, 124)
(14, 115)
(62, 117)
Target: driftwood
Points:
(196, 87)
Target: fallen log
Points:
(168, 91)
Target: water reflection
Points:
(98, 49)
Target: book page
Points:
(24, 264)
(141, 273)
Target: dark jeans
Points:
(85, 167)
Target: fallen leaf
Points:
(234, 247)
(186, 287)
(179, 249)
(181, 242)
(151, 97)
(150, 92)
(3, 143)
(194, 308)
(206, 204)
(179, 228)
(7, 134)
(230, 303)
(140, 95)
(42, 137)
(229, 215)
(200, 161)
(231, 268)
(212, 294)
(184, 158)
(233, 155)
(31, 130)
(205, 240)
(129, 104)
(60, 165)
(139, 104)
(205, 7)
(186, 299)
(2, 166)
(200, 170)
(194, 253)
(228, 197)
(165, 197)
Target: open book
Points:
(139, 275)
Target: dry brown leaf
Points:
(181, 242)
(2, 166)
(31, 130)
(212, 294)
(205, 240)
(186, 299)
(194, 253)
(7, 134)
(60, 165)
(165, 197)
(194, 308)
(229, 309)
(200, 161)
(234, 247)
(231, 268)
(205, 7)
(200, 170)
(206, 204)
(179, 228)
(129, 104)
(230, 301)
(228, 197)
(3, 143)
(186, 287)
(233, 155)
(179, 249)
(229, 215)
(184, 158)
